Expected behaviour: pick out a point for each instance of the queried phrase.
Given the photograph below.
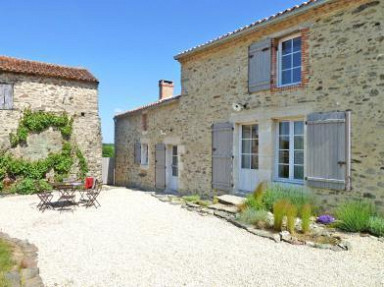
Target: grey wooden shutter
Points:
(328, 159)
(222, 147)
(160, 167)
(6, 96)
(137, 152)
(259, 66)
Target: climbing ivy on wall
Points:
(61, 163)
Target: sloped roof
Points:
(269, 20)
(13, 65)
(147, 106)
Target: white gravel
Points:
(136, 240)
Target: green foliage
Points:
(83, 166)
(279, 211)
(291, 217)
(252, 216)
(39, 121)
(6, 262)
(108, 150)
(194, 198)
(298, 196)
(306, 212)
(376, 226)
(354, 216)
(31, 186)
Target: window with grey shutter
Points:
(328, 150)
(259, 66)
(6, 96)
(137, 152)
(222, 147)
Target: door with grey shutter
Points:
(328, 146)
(222, 148)
(6, 96)
(259, 66)
(160, 167)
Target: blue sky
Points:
(128, 45)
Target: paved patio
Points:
(136, 240)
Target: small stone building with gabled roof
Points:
(296, 98)
(37, 86)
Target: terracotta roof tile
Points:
(151, 105)
(248, 27)
(13, 65)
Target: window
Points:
(6, 96)
(175, 169)
(289, 64)
(290, 151)
(144, 121)
(249, 147)
(144, 154)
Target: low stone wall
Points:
(25, 273)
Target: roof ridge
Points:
(43, 63)
(249, 26)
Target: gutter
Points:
(249, 30)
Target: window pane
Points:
(286, 77)
(255, 131)
(286, 62)
(297, 44)
(297, 59)
(283, 171)
(296, 75)
(284, 142)
(299, 157)
(175, 171)
(246, 132)
(299, 142)
(298, 172)
(299, 128)
(255, 146)
(286, 47)
(284, 157)
(246, 146)
(284, 128)
(246, 161)
(255, 162)
(174, 150)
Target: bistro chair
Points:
(93, 193)
(45, 200)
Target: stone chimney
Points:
(165, 89)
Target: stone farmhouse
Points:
(296, 98)
(35, 86)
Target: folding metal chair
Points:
(93, 193)
(45, 201)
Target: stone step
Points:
(230, 199)
(224, 207)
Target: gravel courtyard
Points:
(136, 240)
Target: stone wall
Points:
(344, 71)
(78, 99)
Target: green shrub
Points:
(252, 216)
(279, 211)
(298, 196)
(31, 186)
(83, 166)
(194, 198)
(291, 217)
(5, 256)
(354, 216)
(306, 213)
(376, 226)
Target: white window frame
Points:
(291, 178)
(144, 155)
(279, 60)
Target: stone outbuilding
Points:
(295, 98)
(35, 86)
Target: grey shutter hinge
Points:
(250, 56)
(232, 156)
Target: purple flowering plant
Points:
(325, 219)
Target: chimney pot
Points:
(165, 89)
